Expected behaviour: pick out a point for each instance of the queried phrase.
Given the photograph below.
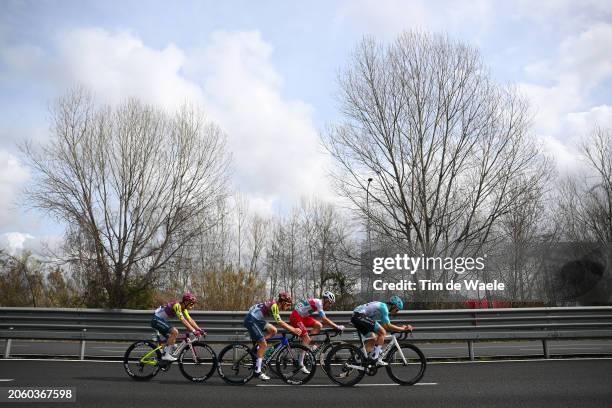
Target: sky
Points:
(265, 72)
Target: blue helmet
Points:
(397, 302)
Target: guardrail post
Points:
(7, 346)
(545, 347)
(83, 344)
(471, 349)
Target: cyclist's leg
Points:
(365, 326)
(380, 340)
(259, 330)
(163, 328)
(173, 335)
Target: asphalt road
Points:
(543, 383)
(431, 350)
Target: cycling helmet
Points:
(189, 298)
(285, 297)
(329, 296)
(397, 302)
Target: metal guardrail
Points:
(467, 325)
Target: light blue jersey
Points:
(377, 311)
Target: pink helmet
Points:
(188, 297)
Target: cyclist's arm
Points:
(326, 321)
(179, 313)
(191, 321)
(394, 328)
(276, 315)
(385, 322)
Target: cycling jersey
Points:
(377, 311)
(172, 309)
(266, 309)
(310, 307)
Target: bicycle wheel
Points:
(322, 353)
(288, 365)
(197, 361)
(141, 360)
(406, 364)
(345, 364)
(236, 364)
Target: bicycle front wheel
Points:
(322, 353)
(236, 364)
(141, 360)
(345, 364)
(197, 361)
(289, 362)
(406, 364)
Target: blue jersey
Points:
(377, 311)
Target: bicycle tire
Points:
(337, 358)
(291, 361)
(204, 355)
(417, 358)
(323, 351)
(236, 368)
(134, 374)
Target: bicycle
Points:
(347, 364)
(196, 359)
(237, 361)
(321, 351)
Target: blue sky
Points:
(265, 72)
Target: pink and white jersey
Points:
(310, 307)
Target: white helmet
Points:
(329, 296)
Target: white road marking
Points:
(565, 348)
(334, 385)
(7, 379)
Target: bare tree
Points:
(133, 181)
(442, 142)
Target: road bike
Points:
(237, 361)
(320, 350)
(196, 359)
(347, 364)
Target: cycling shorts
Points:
(161, 326)
(256, 327)
(364, 324)
(301, 322)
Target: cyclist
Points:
(180, 310)
(303, 316)
(373, 317)
(260, 330)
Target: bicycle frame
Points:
(282, 342)
(390, 345)
(150, 358)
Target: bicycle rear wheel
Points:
(345, 364)
(197, 361)
(288, 365)
(406, 364)
(236, 364)
(141, 360)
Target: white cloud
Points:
(12, 177)
(43, 246)
(274, 141)
(117, 65)
(562, 88)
